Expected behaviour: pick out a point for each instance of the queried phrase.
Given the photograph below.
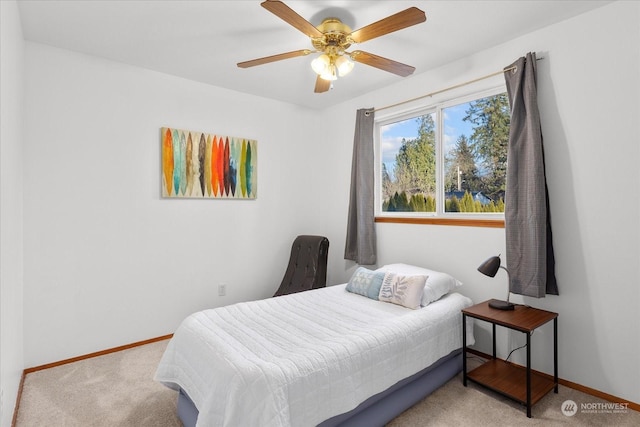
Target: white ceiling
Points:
(203, 40)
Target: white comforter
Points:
(300, 359)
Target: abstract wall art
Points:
(209, 166)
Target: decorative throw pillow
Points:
(437, 285)
(402, 290)
(366, 282)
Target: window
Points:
(444, 160)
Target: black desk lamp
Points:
(489, 268)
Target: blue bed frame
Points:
(377, 410)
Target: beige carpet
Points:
(112, 390)
(118, 390)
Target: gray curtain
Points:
(361, 233)
(530, 257)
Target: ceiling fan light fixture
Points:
(321, 64)
(344, 65)
(330, 73)
(332, 38)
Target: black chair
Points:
(307, 267)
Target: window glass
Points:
(449, 159)
(409, 165)
(475, 141)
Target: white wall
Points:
(107, 260)
(11, 277)
(589, 95)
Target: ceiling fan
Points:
(332, 38)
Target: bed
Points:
(326, 357)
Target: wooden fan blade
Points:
(273, 58)
(288, 15)
(382, 63)
(400, 20)
(322, 85)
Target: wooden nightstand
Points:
(508, 379)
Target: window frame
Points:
(439, 216)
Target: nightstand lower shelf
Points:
(510, 380)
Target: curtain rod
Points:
(515, 67)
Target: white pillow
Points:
(404, 290)
(437, 285)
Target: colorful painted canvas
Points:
(201, 165)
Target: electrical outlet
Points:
(222, 289)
